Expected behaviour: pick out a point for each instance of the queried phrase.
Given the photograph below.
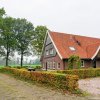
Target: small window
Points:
(54, 65)
(72, 48)
(47, 52)
(51, 51)
(50, 65)
(82, 63)
(43, 65)
(58, 65)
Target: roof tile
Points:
(85, 46)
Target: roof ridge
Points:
(75, 35)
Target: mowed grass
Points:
(1, 66)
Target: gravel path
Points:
(14, 89)
(92, 86)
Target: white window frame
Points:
(51, 51)
(58, 64)
(51, 65)
(43, 65)
(82, 63)
(48, 64)
(47, 52)
(54, 63)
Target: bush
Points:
(57, 80)
(72, 82)
(82, 73)
(74, 62)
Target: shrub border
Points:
(58, 80)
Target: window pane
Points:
(53, 65)
(51, 51)
(47, 52)
(50, 65)
(58, 65)
(82, 63)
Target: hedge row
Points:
(58, 80)
(82, 73)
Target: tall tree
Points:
(39, 35)
(2, 12)
(7, 37)
(24, 34)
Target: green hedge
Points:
(58, 80)
(82, 73)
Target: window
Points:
(54, 65)
(47, 52)
(50, 65)
(82, 63)
(72, 48)
(58, 65)
(51, 51)
(43, 66)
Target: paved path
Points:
(14, 89)
(91, 85)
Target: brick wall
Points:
(55, 59)
(98, 63)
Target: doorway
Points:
(46, 66)
(94, 63)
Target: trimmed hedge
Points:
(58, 80)
(82, 73)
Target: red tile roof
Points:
(85, 47)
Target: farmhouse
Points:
(58, 47)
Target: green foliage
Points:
(20, 35)
(82, 73)
(39, 35)
(24, 34)
(57, 80)
(7, 37)
(74, 62)
(2, 12)
(72, 82)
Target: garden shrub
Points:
(72, 82)
(82, 73)
(74, 62)
(58, 80)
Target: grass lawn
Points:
(23, 65)
(1, 66)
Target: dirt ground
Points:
(91, 86)
(14, 89)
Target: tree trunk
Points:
(7, 56)
(21, 59)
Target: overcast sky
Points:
(70, 16)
